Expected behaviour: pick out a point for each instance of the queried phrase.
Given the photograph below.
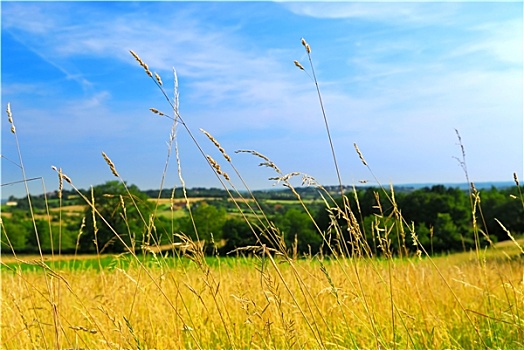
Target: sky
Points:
(397, 79)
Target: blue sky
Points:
(396, 78)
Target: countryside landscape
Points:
(302, 267)
(295, 265)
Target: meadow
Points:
(348, 295)
(453, 302)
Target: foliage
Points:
(237, 234)
(118, 220)
(16, 230)
(442, 218)
(206, 221)
(295, 224)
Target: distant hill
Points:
(462, 185)
(285, 193)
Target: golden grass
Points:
(311, 305)
(70, 208)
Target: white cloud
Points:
(29, 17)
(500, 40)
(405, 12)
(214, 62)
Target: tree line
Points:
(441, 217)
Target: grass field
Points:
(454, 301)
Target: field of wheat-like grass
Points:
(268, 303)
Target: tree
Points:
(208, 221)
(44, 238)
(296, 223)
(504, 206)
(121, 219)
(237, 234)
(446, 234)
(16, 231)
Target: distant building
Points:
(11, 204)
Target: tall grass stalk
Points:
(54, 294)
(335, 162)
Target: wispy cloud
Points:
(216, 64)
(405, 12)
(502, 41)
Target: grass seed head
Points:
(158, 79)
(217, 168)
(60, 183)
(298, 65)
(516, 179)
(136, 57)
(306, 45)
(10, 118)
(271, 165)
(211, 138)
(9, 114)
(215, 142)
(156, 111)
(145, 66)
(214, 164)
(111, 164)
(255, 153)
(268, 163)
(60, 180)
(68, 180)
(360, 155)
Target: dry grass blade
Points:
(510, 236)
(516, 179)
(323, 110)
